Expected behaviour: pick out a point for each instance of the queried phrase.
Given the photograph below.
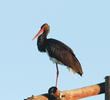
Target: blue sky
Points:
(84, 25)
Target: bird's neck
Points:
(41, 42)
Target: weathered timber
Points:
(55, 94)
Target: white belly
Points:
(53, 59)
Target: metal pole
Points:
(107, 88)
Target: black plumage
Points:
(57, 50)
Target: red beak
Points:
(38, 33)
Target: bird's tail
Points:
(77, 69)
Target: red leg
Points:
(57, 74)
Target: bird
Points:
(57, 51)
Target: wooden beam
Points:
(55, 94)
(107, 88)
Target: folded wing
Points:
(63, 54)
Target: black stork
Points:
(58, 52)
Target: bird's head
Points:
(44, 29)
